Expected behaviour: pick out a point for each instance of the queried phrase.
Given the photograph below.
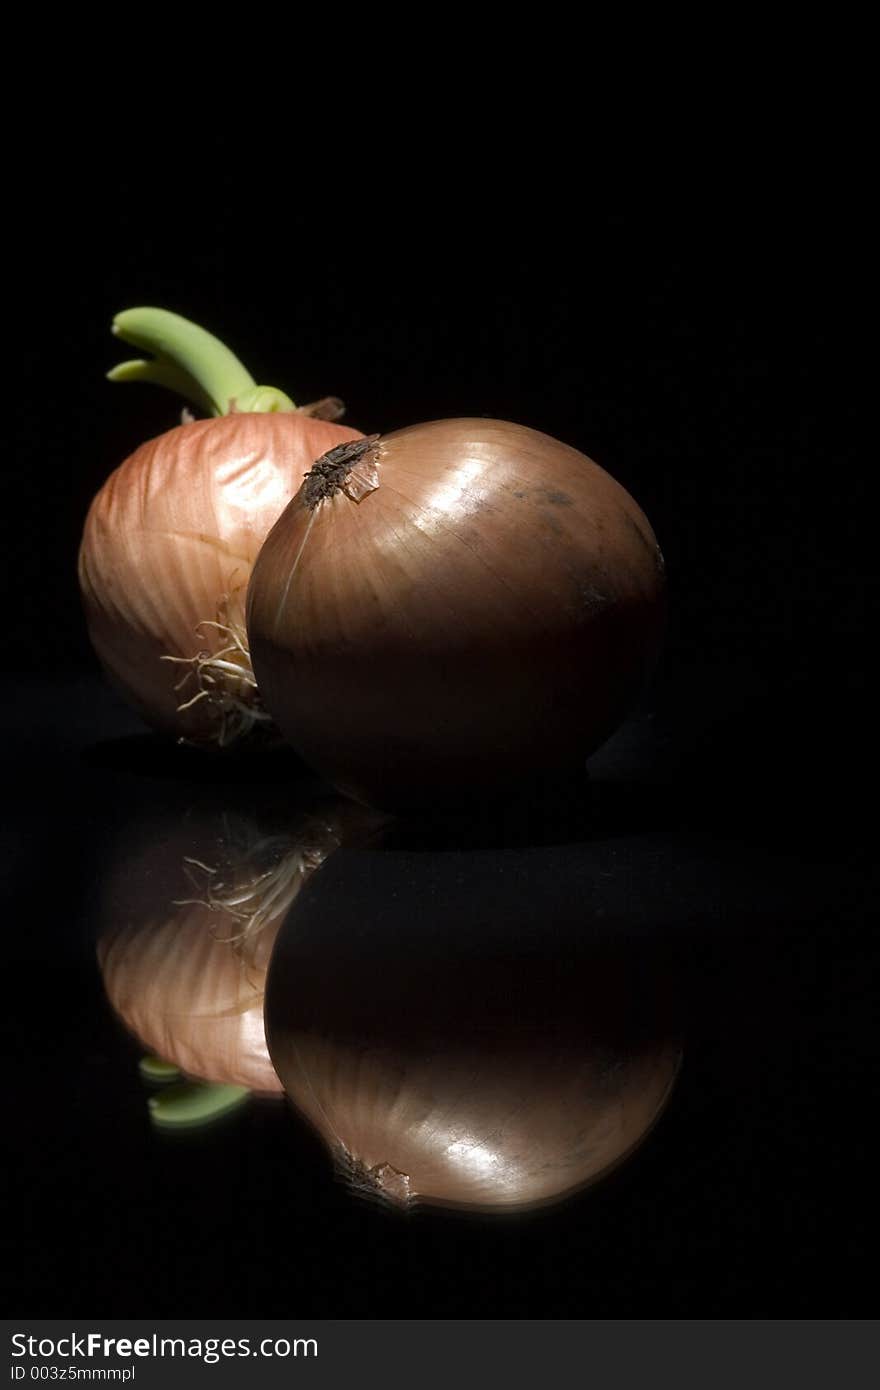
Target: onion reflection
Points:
(188, 920)
(448, 1061)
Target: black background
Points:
(697, 332)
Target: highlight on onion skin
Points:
(453, 609)
(171, 538)
(459, 1064)
(188, 922)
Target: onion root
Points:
(225, 681)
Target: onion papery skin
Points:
(486, 615)
(191, 999)
(169, 544)
(451, 1056)
(483, 1129)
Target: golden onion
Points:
(172, 536)
(453, 609)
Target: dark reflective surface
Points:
(518, 945)
(445, 1054)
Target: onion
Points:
(466, 603)
(171, 538)
(448, 1055)
(189, 923)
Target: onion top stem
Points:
(192, 362)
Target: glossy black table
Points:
(702, 840)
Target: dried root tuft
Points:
(259, 884)
(223, 681)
